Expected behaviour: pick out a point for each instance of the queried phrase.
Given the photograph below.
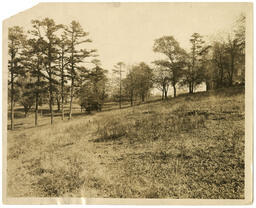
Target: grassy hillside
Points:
(188, 147)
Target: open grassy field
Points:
(188, 147)
(26, 122)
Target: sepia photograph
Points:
(123, 103)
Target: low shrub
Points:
(148, 126)
(110, 129)
(56, 181)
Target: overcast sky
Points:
(126, 32)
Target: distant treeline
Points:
(54, 63)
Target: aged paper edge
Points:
(116, 201)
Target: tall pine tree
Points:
(76, 36)
(16, 39)
(47, 29)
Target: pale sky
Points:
(126, 32)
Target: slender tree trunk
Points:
(207, 85)
(165, 93)
(62, 87)
(221, 77)
(120, 99)
(232, 71)
(131, 98)
(62, 107)
(50, 82)
(142, 97)
(190, 87)
(71, 98)
(72, 78)
(36, 109)
(51, 110)
(58, 103)
(37, 96)
(51, 100)
(12, 98)
(174, 90)
(26, 112)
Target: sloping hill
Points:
(188, 147)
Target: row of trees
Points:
(135, 84)
(218, 64)
(51, 63)
(47, 63)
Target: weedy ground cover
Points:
(188, 147)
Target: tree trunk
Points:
(142, 97)
(163, 91)
(221, 77)
(62, 108)
(232, 71)
(26, 112)
(51, 96)
(51, 110)
(131, 99)
(165, 94)
(36, 109)
(58, 104)
(174, 90)
(190, 87)
(50, 81)
(72, 77)
(62, 86)
(71, 98)
(12, 99)
(207, 85)
(37, 95)
(120, 93)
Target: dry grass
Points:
(188, 147)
